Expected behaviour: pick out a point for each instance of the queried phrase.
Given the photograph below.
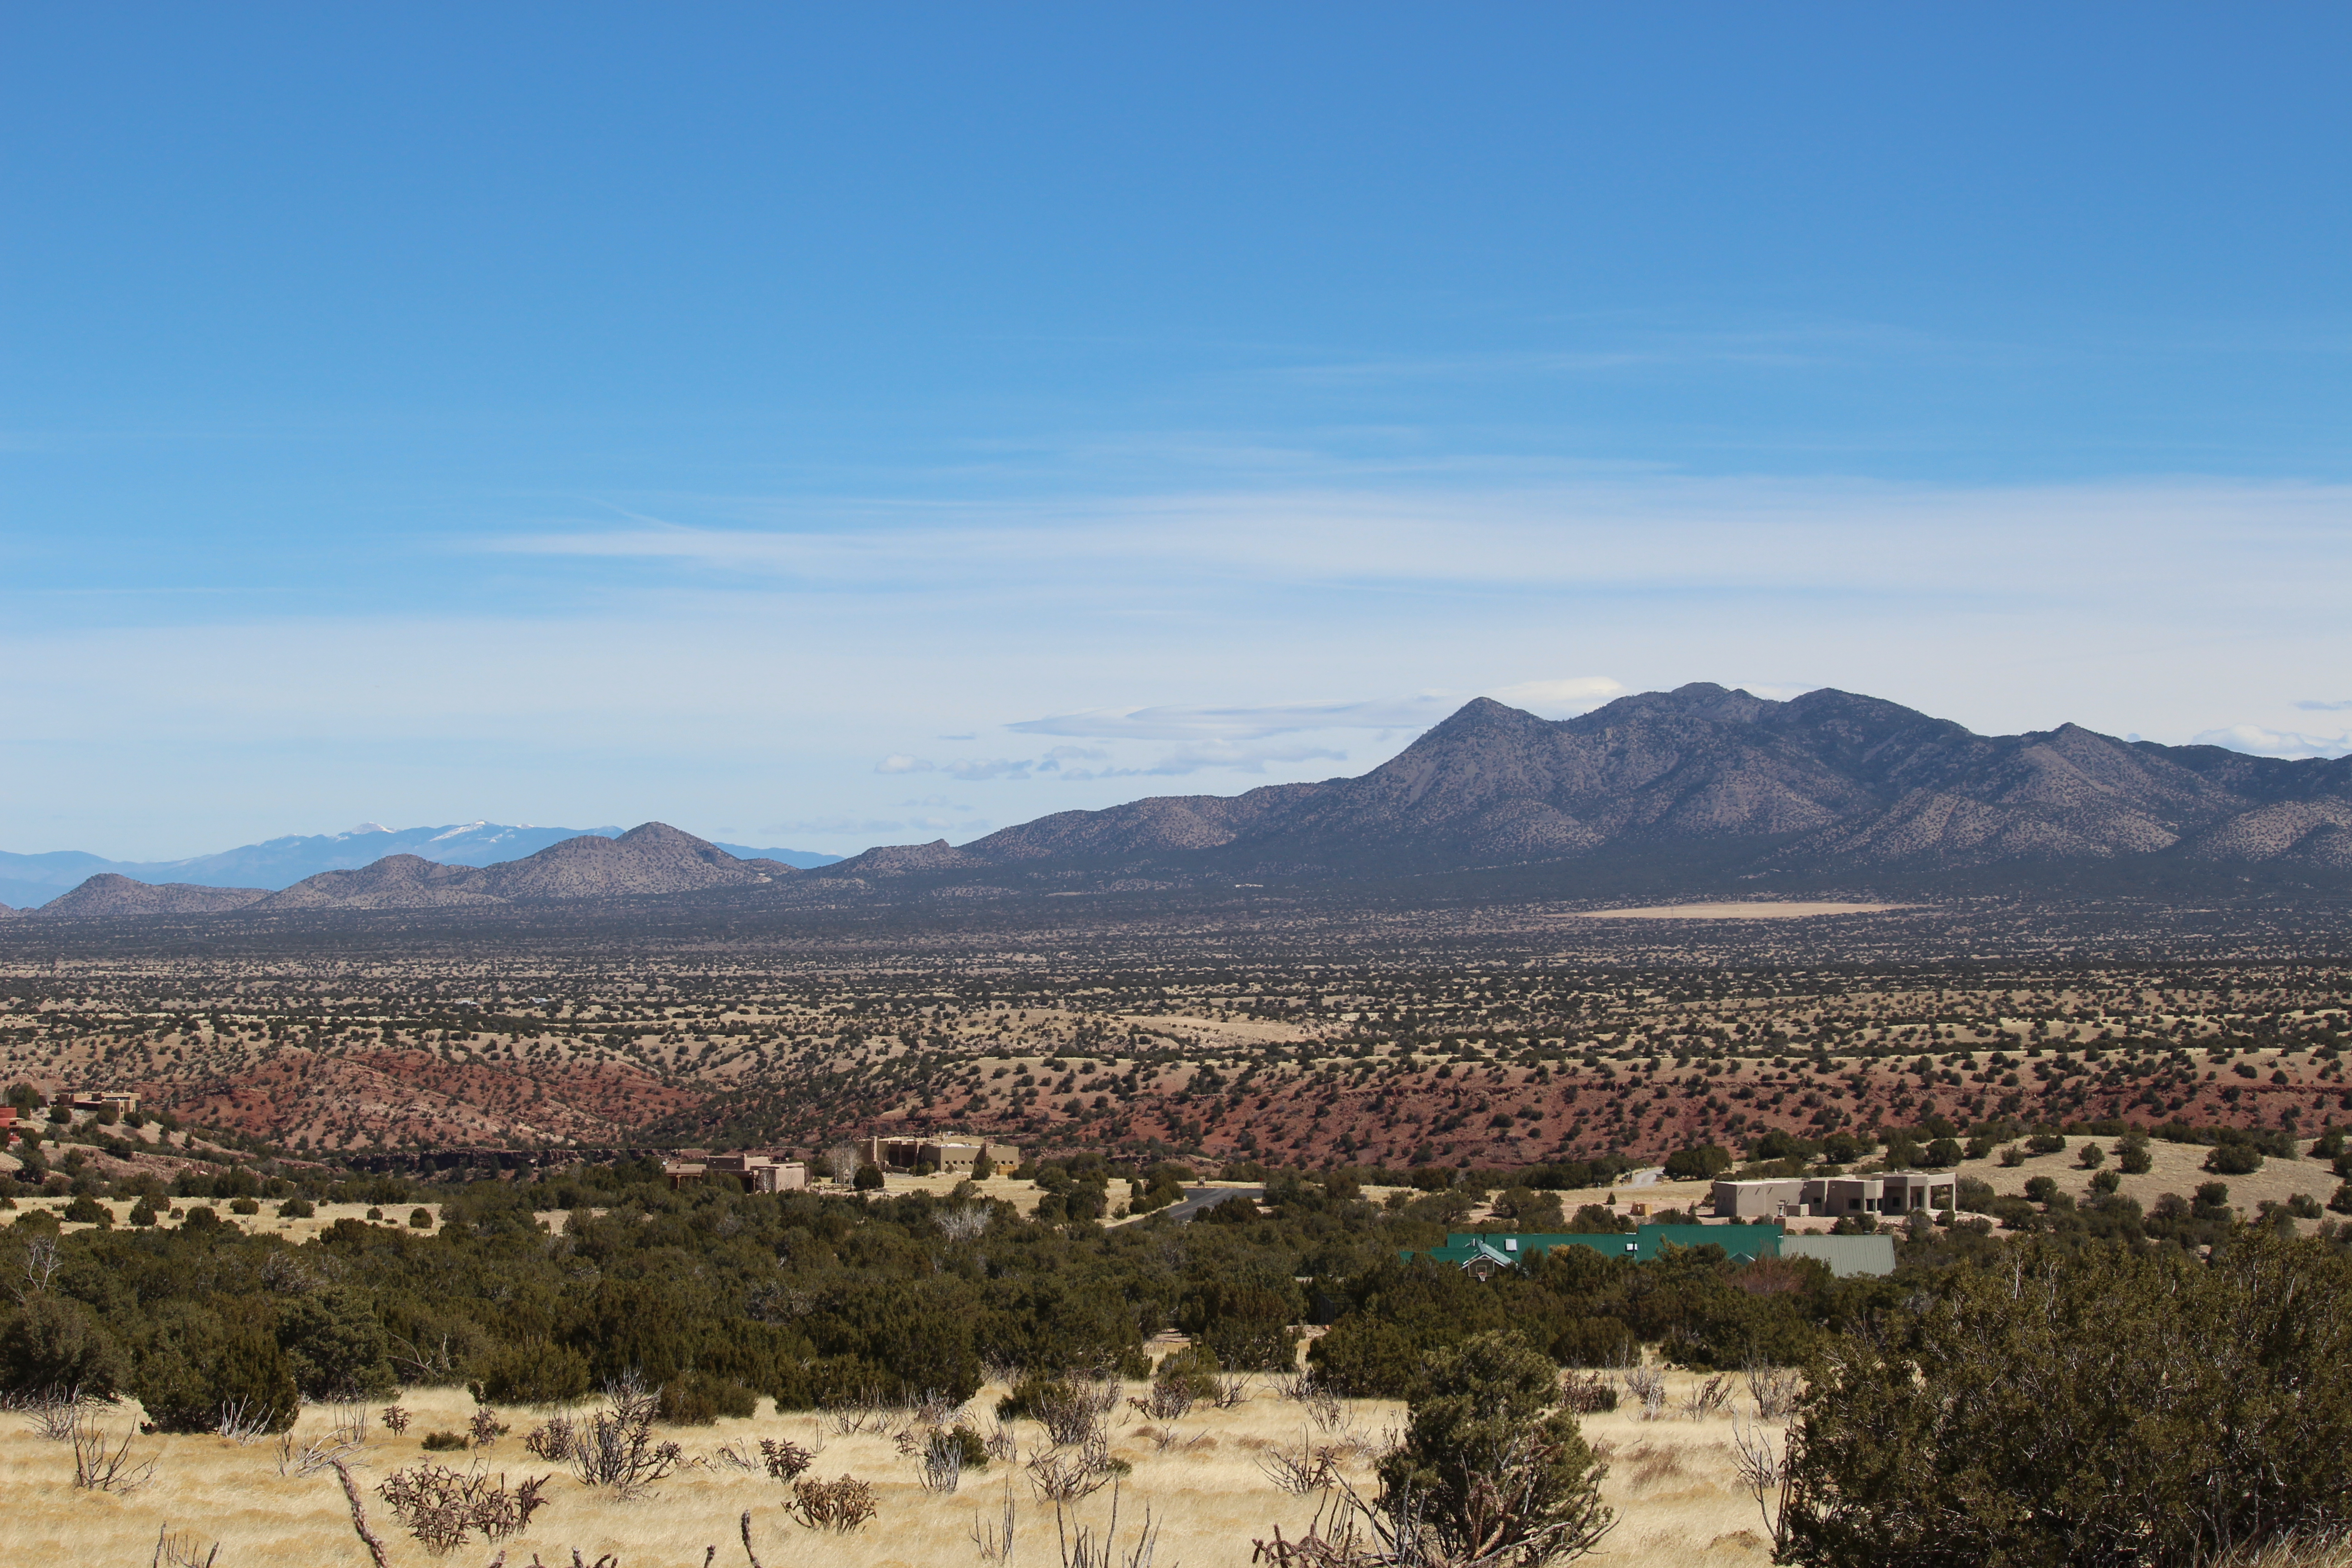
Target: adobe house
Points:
(952, 1154)
(96, 1100)
(761, 1170)
(756, 1170)
(1893, 1193)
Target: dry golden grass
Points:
(1671, 1481)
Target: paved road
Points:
(1200, 1198)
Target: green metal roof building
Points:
(1741, 1243)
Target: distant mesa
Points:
(653, 858)
(278, 863)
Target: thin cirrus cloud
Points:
(2265, 742)
(1242, 739)
(1416, 712)
(2325, 706)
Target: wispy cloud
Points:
(2325, 706)
(2263, 741)
(1415, 711)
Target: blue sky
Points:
(833, 425)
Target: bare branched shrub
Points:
(1707, 1398)
(943, 1462)
(966, 1222)
(784, 1460)
(871, 1412)
(1324, 1407)
(1335, 1538)
(1057, 1478)
(1762, 1463)
(999, 1442)
(1775, 1390)
(395, 1419)
(995, 1542)
(550, 1440)
(54, 1414)
(1588, 1394)
(485, 1428)
(632, 1401)
(349, 1424)
(1082, 1547)
(837, 1506)
(607, 1451)
(615, 1447)
(41, 1262)
(441, 1507)
(243, 1420)
(933, 1408)
(1231, 1391)
(1073, 1409)
(1301, 1470)
(1648, 1385)
(102, 1466)
(735, 1456)
(319, 1454)
(181, 1550)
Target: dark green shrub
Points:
(2342, 1201)
(2135, 1158)
(868, 1179)
(243, 1206)
(87, 1210)
(1026, 1397)
(1365, 1357)
(2056, 1416)
(335, 1346)
(1595, 1341)
(698, 1399)
(1194, 1371)
(2107, 1181)
(2234, 1160)
(297, 1208)
(2091, 1157)
(530, 1372)
(1942, 1153)
(447, 1442)
(1490, 1465)
(55, 1342)
(2046, 1143)
(1697, 1165)
(2041, 1189)
(969, 1444)
(200, 1216)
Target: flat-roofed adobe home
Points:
(761, 1170)
(948, 1153)
(1896, 1192)
(120, 1100)
(756, 1170)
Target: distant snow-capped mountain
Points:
(27, 880)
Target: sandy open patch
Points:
(1759, 910)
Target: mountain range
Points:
(1698, 781)
(1825, 782)
(275, 863)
